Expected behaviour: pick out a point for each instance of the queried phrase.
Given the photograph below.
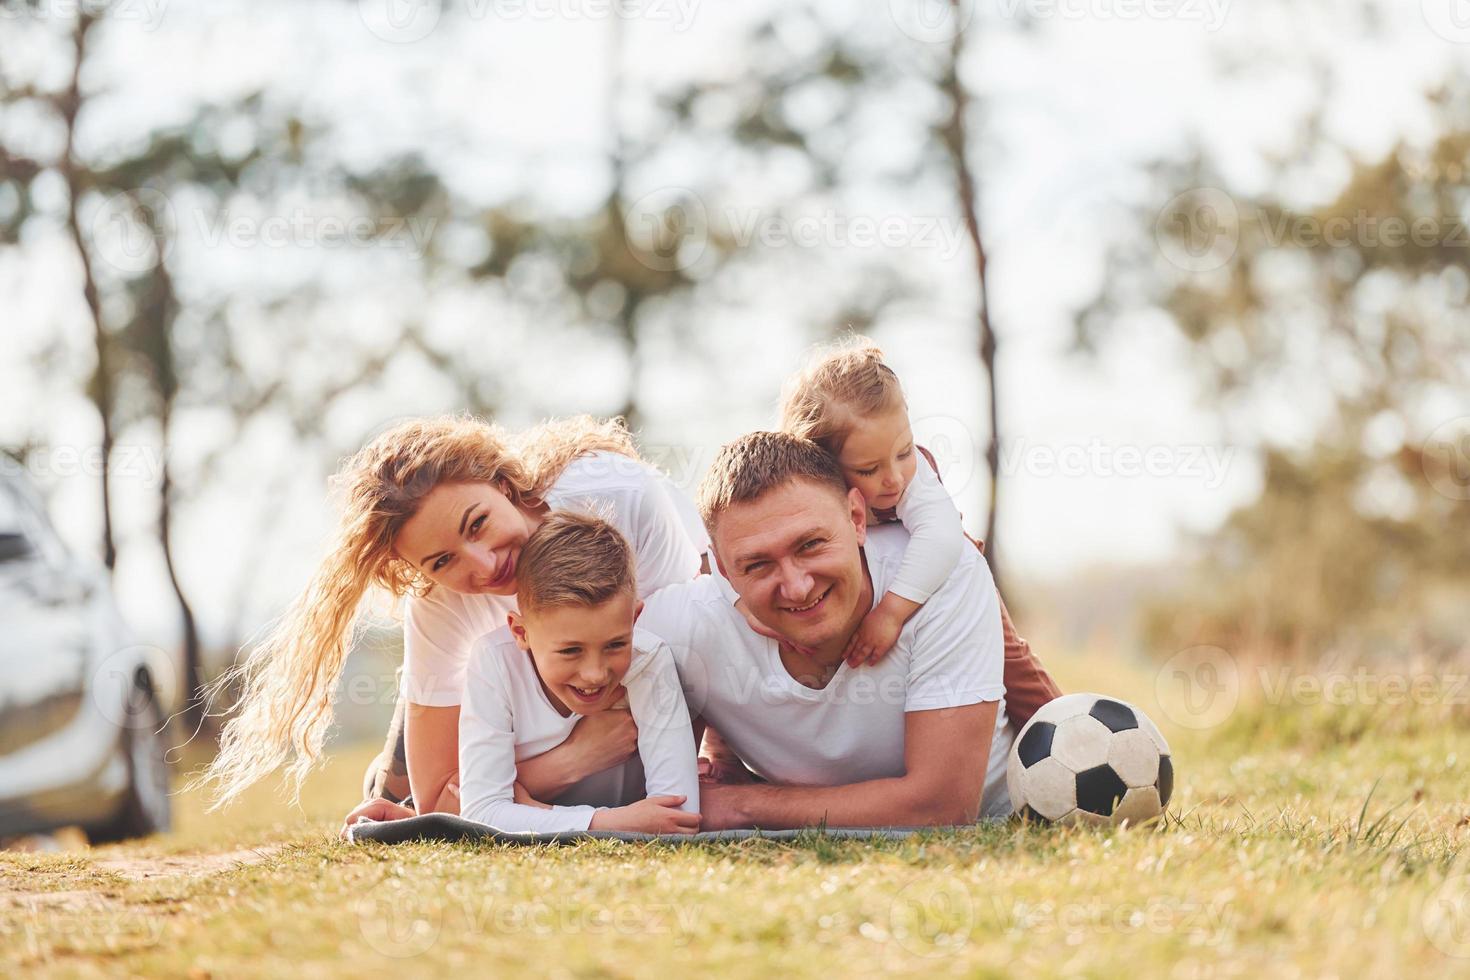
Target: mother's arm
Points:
(598, 742)
(431, 742)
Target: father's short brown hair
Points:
(573, 560)
(753, 465)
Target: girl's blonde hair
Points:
(843, 382)
(285, 684)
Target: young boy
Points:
(572, 650)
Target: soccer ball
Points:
(1090, 759)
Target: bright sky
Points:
(1106, 461)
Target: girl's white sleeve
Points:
(665, 737)
(487, 757)
(662, 549)
(936, 536)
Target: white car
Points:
(82, 705)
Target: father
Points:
(919, 738)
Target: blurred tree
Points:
(955, 137)
(798, 59)
(1334, 338)
(153, 352)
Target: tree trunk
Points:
(193, 710)
(100, 391)
(153, 334)
(954, 134)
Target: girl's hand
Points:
(379, 809)
(655, 815)
(766, 631)
(873, 639)
(756, 624)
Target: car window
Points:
(10, 519)
(22, 535)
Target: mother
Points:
(438, 511)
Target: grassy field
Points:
(1304, 839)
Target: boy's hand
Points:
(655, 815)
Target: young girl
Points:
(850, 403)
(572, 651)
(438, 511)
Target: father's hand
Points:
(719, 807)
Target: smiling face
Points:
(581, 652)
(878, 457)
(792, 555)
(467, 538)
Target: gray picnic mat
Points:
(446, 827)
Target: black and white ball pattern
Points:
(1090, 759)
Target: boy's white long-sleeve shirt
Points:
(936, 536)
(505, 717)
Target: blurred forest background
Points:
(1180, 298)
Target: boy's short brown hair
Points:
(573, 560)
(753, 465)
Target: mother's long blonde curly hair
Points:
(285, 684)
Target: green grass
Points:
(1300, 840)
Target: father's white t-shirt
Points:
(506, 717)
(950, 654)
(439, 629)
